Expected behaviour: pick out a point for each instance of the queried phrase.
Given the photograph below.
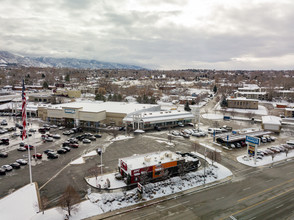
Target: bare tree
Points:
(94, 171)
(70, 199)
(196, 146)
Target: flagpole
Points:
(24, 122)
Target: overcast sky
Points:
(157, 34)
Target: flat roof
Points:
(110, 107)
(151, 159)
(270, 119)
(242, 99)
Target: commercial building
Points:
(93, 114)
(152, 166)
(242, 103)
(289, 112)
(271, 123)
(69, 93)
(252, 95)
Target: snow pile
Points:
(80, 160)
(121, 137)
(21, 204)
(167, 143)
(213, 116)
(101, 180)
(265, 160)
(92, 153)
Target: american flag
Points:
(24, 111)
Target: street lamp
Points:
(99, 151)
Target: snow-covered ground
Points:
(100, 203)
(265, 160)
(213, 116)
(169, 144)
(121, 138)
(81, 160)
(21, 204)
(260, 111)
(101, 180)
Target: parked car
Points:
(15, 165)
(5, 141)
(2, 171)
(29, 146)
(37, 155)
(92, 138)
(243, 144)
(48, 150)
(52, 155)
(238, 145)
(66, 148)
(22, 162)
(53, 126)
(7, 167)
(86, 141)
(4, 122)
(175, 133)
(65, 143)
(3, 154)
(157, 128)
(48, 139)
(56, 136)
(263, 140)
(42, 130)
(66, 133)
(74, 145)
(21, 149)
(32, 130)
(233, 146)
(98, 135)
(61, 151)
(61, 128)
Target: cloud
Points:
(158, 34)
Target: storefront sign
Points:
(69, 111)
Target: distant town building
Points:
(271, 123)
(242, 103)
(289, 112)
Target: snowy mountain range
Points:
(10, 59)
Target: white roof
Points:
(162, 116)
(270, 119)
(98, 106)
(151, 159)
(241, 99)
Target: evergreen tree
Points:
(45, 85)
(110, 97)
(214, 89)
(187, 107)
(67, 78)
(224, 102)
(119, 97)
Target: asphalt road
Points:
(261, 193)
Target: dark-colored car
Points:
(66, 148)
(3, 154)
(29, 146)
(61, 151)
(98, 135)
(15, 165)
(5, 141)
(66, 143)
(2, 171)
(42, 130)
(52, 155)
(157, 128)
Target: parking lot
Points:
(49, 173)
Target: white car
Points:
(53, 126)
(56, 136)
(86, 141)
(22, 161)
(32, 130)
(175, 133)
(7, 167)
(61, 128)
(48, 139)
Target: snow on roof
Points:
(270, 119)
(289, 109)
(151, 159)
(112, 107)
(158, 116)
(241, 99)
(257, 93)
